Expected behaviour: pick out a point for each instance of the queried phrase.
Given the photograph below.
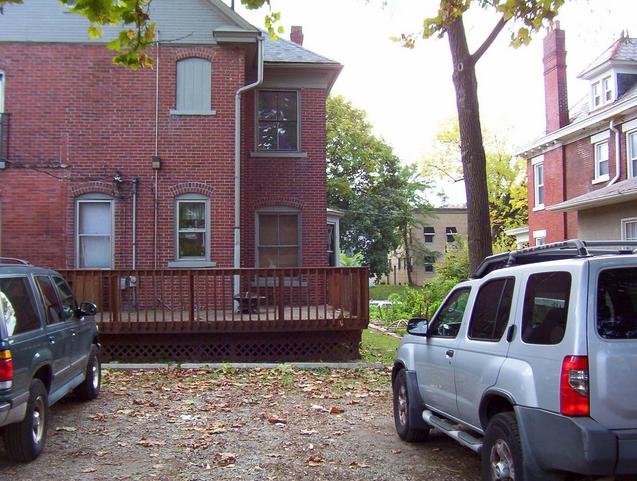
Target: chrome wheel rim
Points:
(38, 420)
(95, 373)
(402, 404)
(501, 459)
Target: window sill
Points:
(199, 113)
(599, 180)
(192, 264)
(538, 207)
(274, 154)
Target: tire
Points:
(24, 441)
(90, 387)
(502, 451)
(405, 426)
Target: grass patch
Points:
(382, 293)
(376, 347)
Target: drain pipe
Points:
(155, 155)
(237, 162)
(134, 230)
(618, 164)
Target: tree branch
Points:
(489, 40)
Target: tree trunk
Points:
(410, 279)
(474, 166)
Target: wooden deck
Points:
(279, 314)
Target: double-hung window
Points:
(601, 161)
(451, 233)
(631, 140)
(193, 228)
(277, 121)
(629, 229)
(538, 184)
(607, 89)
(193, 87)
(94, 232)
(429, 233)
(278, 238)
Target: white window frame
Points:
(193, 198)
(631, 157)
(3, 79)
(538, 163)
(598, 147)
(94, 199)
(539, 237)
(298, 121)
(206, 108)
(596, 94)
(607, 89)
(624, 223)
(299, 226)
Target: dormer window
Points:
(602, 92)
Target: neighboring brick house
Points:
(429, 242)
(110, 168)
(583, 171)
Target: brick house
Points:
(214, 158)
(430, 241)
(583, 171)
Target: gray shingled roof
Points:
(623, 49)
(611, 194)
(281, 50)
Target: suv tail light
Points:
(6, 369)
(574, 392)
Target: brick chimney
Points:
(296, 34)
(555, 95)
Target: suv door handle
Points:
(449, 353)
(52, 339)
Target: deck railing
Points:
(203, 300)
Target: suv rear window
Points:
(546, 307)
(16, 302)
(617, 303)
(491, 310)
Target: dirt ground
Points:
(228, 424)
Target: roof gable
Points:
(623, 50)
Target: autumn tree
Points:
(506, 177)
(527, 16)
(366, 180)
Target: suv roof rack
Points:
(14, 260)
(569, 249)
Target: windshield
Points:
(617, 303)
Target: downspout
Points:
(618, 164)
(237, 161)
(134, 230)
(155, 154)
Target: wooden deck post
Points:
(191, 287)
(281, 286)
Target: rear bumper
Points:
(577, 445)
(13, 411)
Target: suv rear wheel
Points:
(24, 441)
(90, 387)
(502, 452)
(402, 412)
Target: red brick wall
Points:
(299, 183)
(71, 107)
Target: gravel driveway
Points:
(279, 424)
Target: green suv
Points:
(48, 347)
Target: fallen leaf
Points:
(275, 420)
(335, 410)
(89, 470)
(356, 464)
(308, 432)
(149, 443)
(69, 429)
(226, 459)
(315, 460)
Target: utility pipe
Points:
(155, 153)
(237, 161)
(135, 182)
(618, 164)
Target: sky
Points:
(408, 93)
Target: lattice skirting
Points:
(283, 346)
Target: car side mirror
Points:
(87, 309)
(418, 326)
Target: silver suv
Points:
(532, 363)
